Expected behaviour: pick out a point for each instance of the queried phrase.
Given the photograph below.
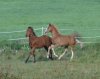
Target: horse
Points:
(37, 42)
(62, 40)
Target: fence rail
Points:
(42, 29)
(18, 39)
(42, 32)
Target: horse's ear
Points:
(50, 24)
(29, 27)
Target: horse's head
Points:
(30, 32)
(49, 28)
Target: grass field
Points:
(85, 65)
(80, 15)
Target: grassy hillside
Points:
(80, 15)
(85, 65)
(16, 15)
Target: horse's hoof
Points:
(34, 61)
(47, 57)
(51, 59)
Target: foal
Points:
(62, 40)
(37, 42)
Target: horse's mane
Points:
(32, 30)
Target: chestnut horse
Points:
(62, 40)
(37, 42)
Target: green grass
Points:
(80, 15)
(54, 70)
(85, 65)
(17, 15)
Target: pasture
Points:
(79, 15)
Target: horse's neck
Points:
(32, 38)
(55, 33)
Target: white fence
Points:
(42, 32)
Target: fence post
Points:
(42, 30)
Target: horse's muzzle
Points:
(46, 31)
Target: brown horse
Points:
(62, 40)
(37, 42)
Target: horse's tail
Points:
(78, 39)
(76, 35)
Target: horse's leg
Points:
(54, 52)
(52, 47)
(48, 52)
(31, 53)
(63, 54)
(79, 42)
(27, 58)
(50, 55)
(34, 58)
(72, 54)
